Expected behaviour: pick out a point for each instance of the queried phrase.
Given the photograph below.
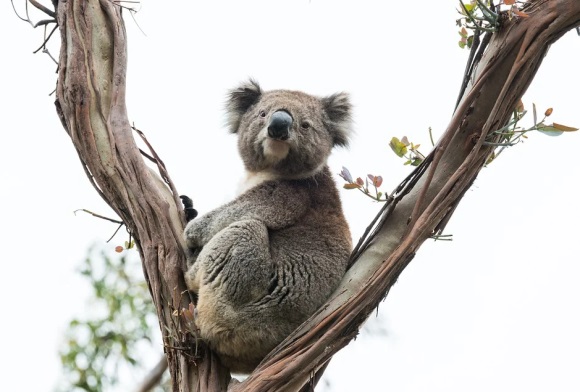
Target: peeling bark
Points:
(91, 105)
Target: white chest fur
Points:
(254, 179)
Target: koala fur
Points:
(264, 262)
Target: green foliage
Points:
(403, 148)
(484, 15)
(408, 150)
(120, 319)
(513, 133)
(466, 38)
(509, 135)
(476, 15)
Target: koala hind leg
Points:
(234, 272)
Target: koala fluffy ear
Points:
(239, 101)
(338, 109)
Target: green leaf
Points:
(416, 161)
(469, 6)
(398, 147)
(555, 129)
(549, 130)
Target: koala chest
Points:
(253, 179)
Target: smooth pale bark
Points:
(91, 104)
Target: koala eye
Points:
(262, 113)
(305, 125)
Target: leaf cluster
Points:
(369, 186)
(512, 133)
(120, 318)
(485, 16)
(408, 150)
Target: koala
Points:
(266, 261)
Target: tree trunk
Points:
(91, 105)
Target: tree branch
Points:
(503, 74)
(91, 105)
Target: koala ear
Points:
(338, 109)
(239, 101)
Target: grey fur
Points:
(264, 262)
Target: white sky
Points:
(495, 309)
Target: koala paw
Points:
(194, 234)
(190, 212)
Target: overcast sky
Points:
(495, 309)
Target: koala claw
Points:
(190, 212)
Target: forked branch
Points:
(91, 104)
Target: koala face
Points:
(285, 133)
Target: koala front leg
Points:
(233, 278)
(235, 264)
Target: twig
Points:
(98, 216)
(43, 46)
(47, 11)
(27, 19)
(161, 166)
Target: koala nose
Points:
(280, 123)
